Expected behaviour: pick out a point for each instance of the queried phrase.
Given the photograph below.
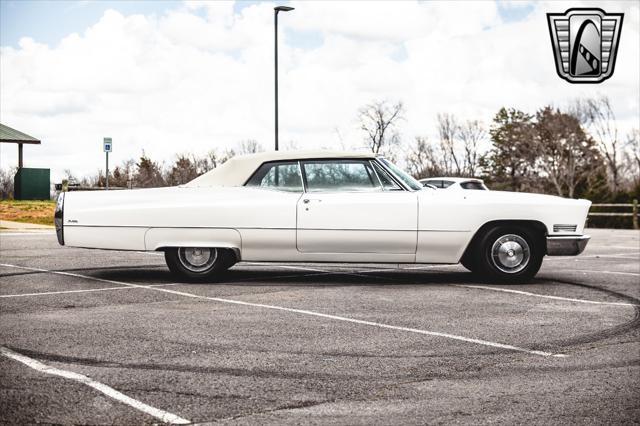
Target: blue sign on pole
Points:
(107, 145)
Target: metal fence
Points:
(633, 215)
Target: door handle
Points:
(306, 201)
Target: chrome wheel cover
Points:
(197, 259)
(510, 253)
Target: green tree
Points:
(148, 173)
(566, 155)
(183, 171)
(511, 160)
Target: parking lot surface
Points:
(108, 337)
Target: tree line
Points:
(573, 152)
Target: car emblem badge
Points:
(585, 42)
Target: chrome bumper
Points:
(58, 218)
(566, 246)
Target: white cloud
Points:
(188, 81)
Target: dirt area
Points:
(40, 212)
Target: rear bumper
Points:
(58, 218)
(566, 246)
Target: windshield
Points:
(402, 175)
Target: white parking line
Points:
(151, 253)
(544, 296)
(633, 274)
(162, 415)
(632, 256)
(595, 256)
(306, 312)
(524, 293)
(360, 274)
(299, 268)
(457, 265)
(596, 247)
(46, 293)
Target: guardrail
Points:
(633, 215)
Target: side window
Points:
(282, 176)
(472, 185)
(446, 183)
(387, 183)
(340, 175)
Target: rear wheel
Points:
(510, 254)
(198, 263)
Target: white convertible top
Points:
(237, 170)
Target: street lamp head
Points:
(283, 8)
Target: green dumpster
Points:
(32, 184)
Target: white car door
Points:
(350, 206)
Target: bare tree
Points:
(339, 136)
(291, 145)
(212, 160)
(598, 117)
(122, 175)
(448, 130)
(249, 146)
(631, 157)
(379, 121)
(472, 134)
(423, 160)
(6, 183)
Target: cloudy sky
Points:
(173, 77)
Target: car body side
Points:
(428, 226)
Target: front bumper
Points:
(567, 245)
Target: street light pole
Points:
(107, 173)
(276, 10)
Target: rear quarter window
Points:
(281, 176)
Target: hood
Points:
(502, 197)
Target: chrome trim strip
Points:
(567, 245)
(261, 228)
(564, 227)
(303, 178)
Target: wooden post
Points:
(635, 214)
(19, 155)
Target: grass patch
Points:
(40, 212)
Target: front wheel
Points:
(198, 263)
(510, 254)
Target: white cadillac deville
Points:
(322, 206)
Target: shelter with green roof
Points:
(29, 183)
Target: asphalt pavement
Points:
(109, 337)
